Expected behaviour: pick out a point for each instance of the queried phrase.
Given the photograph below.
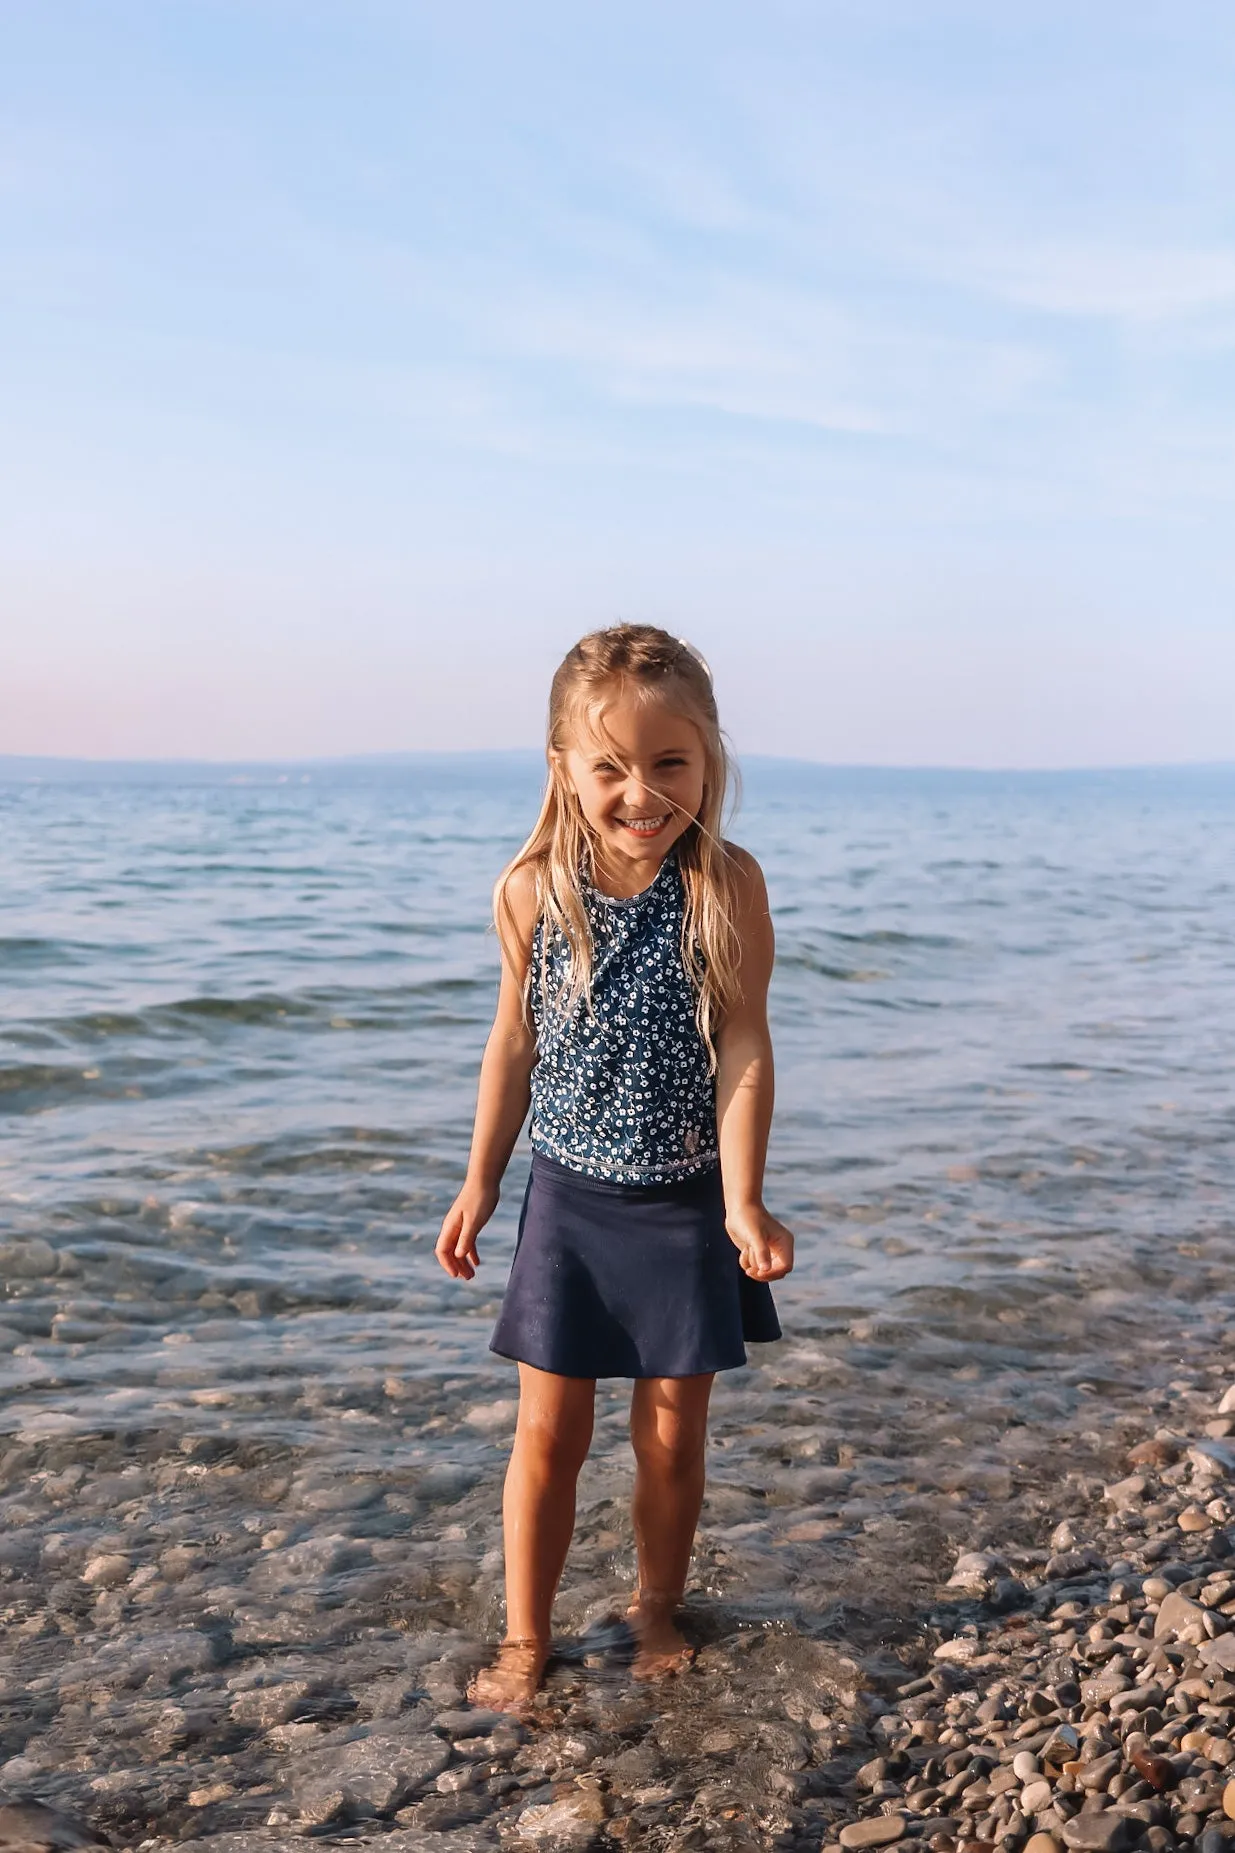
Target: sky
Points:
(357, 355)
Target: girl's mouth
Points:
(644, 826)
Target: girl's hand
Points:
(764, 1244)
(466, 1217)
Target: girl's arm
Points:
(744, 1087)
(503, 1095)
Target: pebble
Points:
(106, 1572)
(32, 1259)
(572, 1822)
(1228, 1801)
(487, 1416)
(879, 1830)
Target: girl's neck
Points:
(625, 882)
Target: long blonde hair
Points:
(561, 850)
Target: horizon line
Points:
(116, 762)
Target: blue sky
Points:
(355, 357)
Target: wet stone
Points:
(572, 1823)
(371, 1775)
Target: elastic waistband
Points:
(552, 1172)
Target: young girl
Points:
(636, 954)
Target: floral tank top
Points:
(622, 1090)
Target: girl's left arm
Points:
(744, 1086)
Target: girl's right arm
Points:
(504, 1093)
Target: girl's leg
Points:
(538, 1514)
(668, 1426)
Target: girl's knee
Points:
(669, 1450)
(555, 1448)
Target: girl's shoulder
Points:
(518, 902)
(744, 871)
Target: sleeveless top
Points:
(622, 1090)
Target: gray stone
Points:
(1212, 1457)
(30, 1827)
(34, 1259)
(1139, 1699)
(1218, 1656)
(1103, 1831)
(366, 1776)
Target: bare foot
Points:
(662, 1649)
(511, 1682)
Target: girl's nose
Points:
(638, 796)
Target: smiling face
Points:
(637, 770)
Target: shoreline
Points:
(260, 1648)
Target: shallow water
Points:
(242, 1014)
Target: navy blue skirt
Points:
(628, 1280)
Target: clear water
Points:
(241, 1014)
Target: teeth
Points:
(643, 826)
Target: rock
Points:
(1227, 1405)
(1218, 1655)
(1125, 1493)
(1177, 1613)
(265, 1706)
(1211, 1458)
(33, 1259)
(1024, 1766)
(1193, 1519)
(106, 1572)
(1103, 1831)
(366, 1776)
(1157, 1771)
(880, 1830)
(469, 1723)
(977, 1570)
(1156, 1452)
(488, 1416)
(1228, 1793)
(1036, 1796)
(1043, 1843)
(961, 1649)
(30, 1827)
(1061, 1746)
(213, 1792)
(573, 1822)
(313, 1557)
(1102, 1690)
(1067, 1564)
(1139, 1699)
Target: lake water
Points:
(241, 1012)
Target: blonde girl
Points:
(632, 1017)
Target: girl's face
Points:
(638, 777)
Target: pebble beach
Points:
(214, 1648)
